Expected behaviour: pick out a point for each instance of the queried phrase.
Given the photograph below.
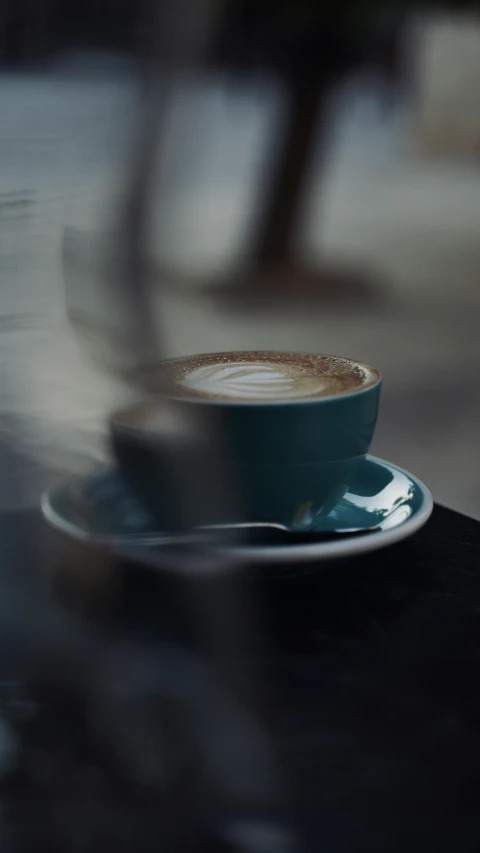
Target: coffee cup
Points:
(292, 430)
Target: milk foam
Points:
(253, 380)
(258, 376)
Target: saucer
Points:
(99, 510)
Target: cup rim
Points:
(116, 416)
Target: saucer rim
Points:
(356, 545)
(132, 545)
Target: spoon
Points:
(265, 533)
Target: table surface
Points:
(375, 666)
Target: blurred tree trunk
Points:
(281, 203)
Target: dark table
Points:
(374, 664)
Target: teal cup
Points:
(287, 461)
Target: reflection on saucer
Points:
(398, 516)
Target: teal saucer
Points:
(99, 510)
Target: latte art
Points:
(266, 376)
(251, 381)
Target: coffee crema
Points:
(256, 376)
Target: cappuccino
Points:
(291, 431)
(257, 376)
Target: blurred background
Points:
(369, 247)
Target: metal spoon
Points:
(263, 533)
